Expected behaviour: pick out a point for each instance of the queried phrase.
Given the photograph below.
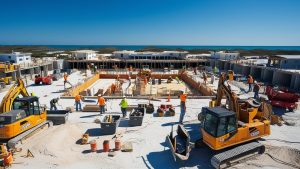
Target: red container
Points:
(117, 145)
(93, 146)
(8, 159)
(106, 146)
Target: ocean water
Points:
(138, 47)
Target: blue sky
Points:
(150, 22)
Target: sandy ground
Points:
(58, 146)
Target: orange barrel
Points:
(106, 146)
(8, 159)
(117, 145)
(93, 146)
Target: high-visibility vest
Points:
(124, 103)
(183, 97)
(250, 80)
(101, 101)
(77, 98)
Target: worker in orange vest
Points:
(182, 97)
(101, 102)
(250, 82)
(78, 102)
(66, 80)
(113, 88)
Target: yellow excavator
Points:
(20, 116)
(232, 128)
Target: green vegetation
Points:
(40, 51)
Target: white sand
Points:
(57, 148)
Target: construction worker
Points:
(204, 77)
(101, 102)
(212, 79)
(113, 88)
(124, 105)
(65, 79)
(177, 79)
(256, 90)
(250, 82)
(78, 102)
(53, 103)
(182, 97)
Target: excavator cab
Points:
(218, 121)
(29, 104)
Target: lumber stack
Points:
(91, 108)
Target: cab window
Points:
(210, 124)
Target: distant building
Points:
(165, 55)
(284, 61)
(16, 57)
(84, 55)
(198, 56)
(225, 55)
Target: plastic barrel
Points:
(105, 146)
(117, 145)
(93, 146)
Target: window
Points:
(210, 124)
(36, 108)
(21, 105)
(222, 127)
(231, 124)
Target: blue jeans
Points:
(102, 109)
(124, 111)
(78, 104)
(250, 87)
(256, 95)
(53, 106)
(182, 111)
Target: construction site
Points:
(198, 114)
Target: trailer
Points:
(58, 116)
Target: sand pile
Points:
(56, 144)
(275, 157)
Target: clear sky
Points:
(150, 22)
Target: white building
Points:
(16, 57)
(224, 55)
(84, 55)
(165, 55)
(198, 56)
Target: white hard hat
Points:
(99, 95)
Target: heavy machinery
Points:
(6, 67)
(47, 80)
(237, 123)
(20, 116)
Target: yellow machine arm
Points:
(14, 91)
(231, 97)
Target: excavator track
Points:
(14, 141)
(236, 155)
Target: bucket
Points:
(8, 159)
(117, 145)
(93, 146)
(106, 146)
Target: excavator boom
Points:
(17, 89)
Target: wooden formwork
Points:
(202, 88)
(76, 90)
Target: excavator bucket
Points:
(179, 144)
